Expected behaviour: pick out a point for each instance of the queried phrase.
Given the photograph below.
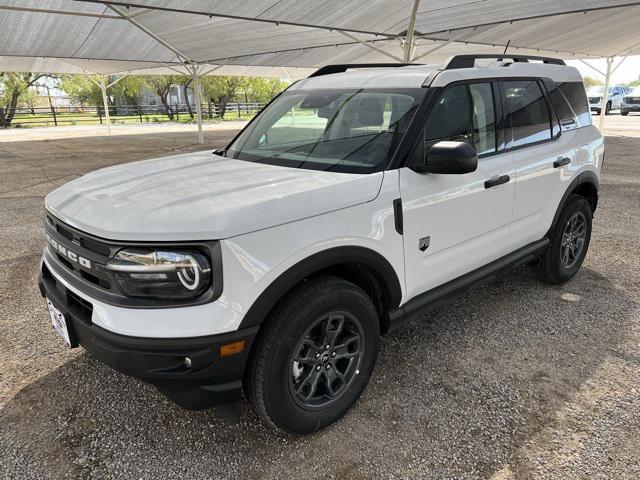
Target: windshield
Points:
(353, 131)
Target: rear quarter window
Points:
(576, 95)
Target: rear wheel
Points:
(569, 242)
(315, 356)
(607, 109)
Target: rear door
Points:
(541, 144)
(454, 224)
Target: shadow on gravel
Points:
(456, 394)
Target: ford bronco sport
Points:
(356, 200)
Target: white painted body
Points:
(269, 218)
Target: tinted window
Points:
(464, 113)
(527, 112)
(576, 96)
(566, 116)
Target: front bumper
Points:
(630, 107)
(211, 379)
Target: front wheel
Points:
(315, 355)
(624, 113)
(607, 109)
(569, 242)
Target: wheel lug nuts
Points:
(328, 367)
(318, 367)
(326, 347)
(333, 354)
(317, 355)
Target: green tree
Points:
(185, 81)
(262, 90)
(161, 84)
(81, 89)
(12, 87)
(221, 90)
(591, 82)
(29, 100)
(85, 90)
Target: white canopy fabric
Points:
(291, 38)
(148, 35)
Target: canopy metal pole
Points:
(105, 102)
(605, 95)
(408, 45)
(196, 91)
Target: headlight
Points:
(161, 274)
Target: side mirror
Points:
(450, 158)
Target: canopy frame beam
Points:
(59, 12)
(369, 44)
(153, 35)
(453, 39)
(234, 17)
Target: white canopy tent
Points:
(291, 38)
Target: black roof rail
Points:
(468, 61)
(343, 67)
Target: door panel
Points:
(464, 222)
(467, 223)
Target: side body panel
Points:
(467, 224)
(540, 186)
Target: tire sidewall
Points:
(575, 204)
(284, 411)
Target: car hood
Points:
(201, 196)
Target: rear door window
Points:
(526, 112)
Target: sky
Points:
(628, 71)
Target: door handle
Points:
(492, 182)
(561, 162)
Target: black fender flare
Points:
(315, 263)
(585, 177)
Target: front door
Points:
(454, 224)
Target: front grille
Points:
(632, 100)
(96, 254)
(594, 99)
(81, 308)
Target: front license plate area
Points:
(61, 325)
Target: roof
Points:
(416, 75)
(156, 36)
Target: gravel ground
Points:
(513, 380)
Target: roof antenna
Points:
(507, 46)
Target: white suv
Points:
(615, 97)
(354, 201)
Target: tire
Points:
(623, 113)
(607, 109)
(555, 266)
(279, 387)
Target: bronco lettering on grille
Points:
(65, 252)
